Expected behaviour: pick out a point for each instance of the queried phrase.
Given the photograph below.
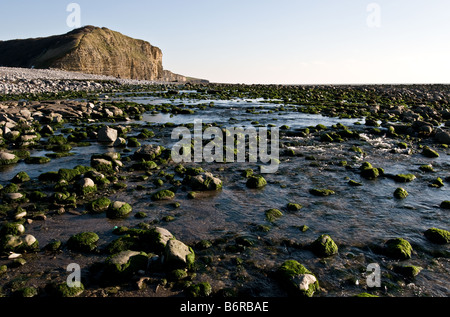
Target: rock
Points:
(304, 281)
(256, 181)
(409, 271)
(445, 204)
(107, 135)
(164, 235)
(87, 186)
(370, 173)
(202, 289)
(400, 193)
(321, 192)
(442, 137)
(273, 214)
(13, 196)
(429, 152)
(99, 205)
(83, 242)
(10, 243)
(29, 243)
(102, 165)
(297, 279)
(293, 207)
(8, 158)
(177, 254)
(324, 246)
(126, 263)
(118, 210)
(21, 177)
(148, 152)
(438, 236)
(120, 142)
(398, 248)
(404, 178)
(204, 181)
(163, 194)
(63, 290)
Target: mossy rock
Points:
(273, 214)
(293, 207)
(68, 174)
(404, 178)
(354, 183)
(409, 271)
(133, 142)
(98, 205)
(438, 236)
(8, 158)
(118, 210)
(147, 240)
(57, 140)
(83, 242)
(365, 295)
(21, 177)
(400, 193)
(53, 246)
(370, 173)
(256, 182)
(50, 177)
(63, 290)
(202, 289)
(163, 194)
(427, 168)
(429, 152)
(297, 279)
(126, 263)
(324, 246)
(37, 160)
(10, 188)
(438, 182)
(398, 248)
(321, 192)
(445, 204)
(12, 228)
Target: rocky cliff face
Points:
(89, 50)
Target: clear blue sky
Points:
(266, 41)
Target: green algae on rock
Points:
(297, 279)
(273, 214)
(256, 181)
(83, 242)
(438, 236)
(163, 194)
(324, 246)
(118, 210)
(400, 193)
(321, 192)
(398, 248)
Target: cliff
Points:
(90, 50)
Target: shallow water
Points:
(355, 217)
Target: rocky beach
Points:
(87, 178)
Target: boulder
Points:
(148, 152)
(204, 181)
(398, 248)
(297, 279)
(442, 137)
(177, 254)
(118, 210)
(107, 135)
(324, 246)
(438, 236)
(8, 158)
(83, 242)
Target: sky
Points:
(266, 41)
